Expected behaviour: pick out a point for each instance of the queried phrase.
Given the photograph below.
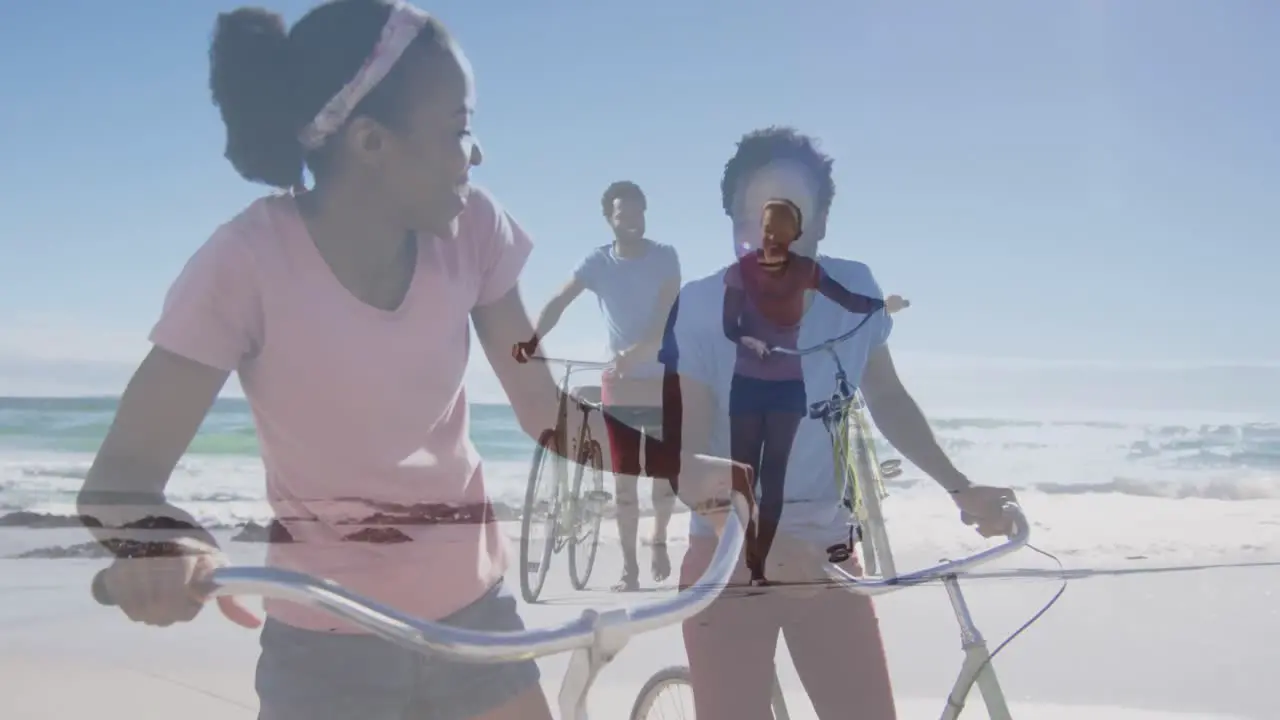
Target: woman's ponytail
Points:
(253, 87)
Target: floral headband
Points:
(403, 25)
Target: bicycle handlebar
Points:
(584, 364)
(881, 585)
(825, 344)
(597, 636)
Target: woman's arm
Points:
(902, 422)
(734, 297)
(211, 320)
(834, 291)
(159, 413)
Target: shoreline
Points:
(58, 527)
(1082, 530)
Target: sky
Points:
(1060, 188)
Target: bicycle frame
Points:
(562, 423)
(977, 662)
(595, 638)
(846, 402)
(562, 410)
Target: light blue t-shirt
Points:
(628, 291)
(694, 345)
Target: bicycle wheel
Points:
(668, 694)
(534, 560)
(588, 509)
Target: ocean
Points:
(1218, 470)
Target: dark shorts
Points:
(310, 675)
(635, 442)
(754, 396)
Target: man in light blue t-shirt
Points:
(833, 636)
(635, 281)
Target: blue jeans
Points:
(311, 675)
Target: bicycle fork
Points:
(977, 668)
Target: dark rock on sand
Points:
(152, 522)
(273, 532)
(27, 519)
(42, 521)
(249, 533)
(378, 536)
(434, 514)
(117, 548)
(83, 550)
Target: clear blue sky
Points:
(1057, 181)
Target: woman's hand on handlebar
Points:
(894, 303)
(161, 591)
(984, 507)
(755, 345)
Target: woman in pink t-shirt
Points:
(346, 310)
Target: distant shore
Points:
(245, 532)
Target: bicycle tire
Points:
(592, 456)
(653, 687)
(528, 590)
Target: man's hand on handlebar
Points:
(161, 591)
(522, 351)
(984, 507)
(894, 303)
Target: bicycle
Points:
(586, 510)
(861, 481)
(595, 638)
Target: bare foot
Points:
(629, 583)
(661, 564)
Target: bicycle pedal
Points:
(596, 501)
(839, 553)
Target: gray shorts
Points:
(310, 675)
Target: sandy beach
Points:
(1127, 641)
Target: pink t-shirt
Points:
(358, 410)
